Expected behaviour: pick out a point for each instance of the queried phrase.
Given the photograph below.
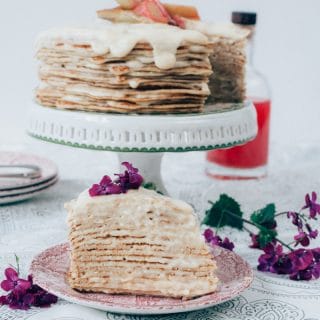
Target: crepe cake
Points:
(141, 68)
(139, 242)
(228, 55)
(228, 59)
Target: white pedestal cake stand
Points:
(142, 139)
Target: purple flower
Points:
(283, 265)
(301, 264)
(305, 231)
(227, 244)
(313, 234)
(301, 259)
(214, 240)
(306, 264)
(105, 187)
(41, 298)
(312, 205)
(44, 299)
(13, 283)
(295, 219)
(316, 270)
(255, 241)
(272, 253)
(24, 294)
(208, 235)
(17, 300)
(95, 190)
(130, 179)
(316, 254)
(302, 275)
(302, 238)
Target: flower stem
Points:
(299, 214)
(248, 230)
(255, 225)
(240, 218)
(303, 217)
(17, 263)
(283, 213)
(284, 244)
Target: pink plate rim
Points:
(49, 270)
(16, 198)
(49, 169)
(28, 190)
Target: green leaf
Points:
(264, 219)
(265, 236)
(225, 212)
(265, 216)
(151, 186)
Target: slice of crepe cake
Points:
(139, 243)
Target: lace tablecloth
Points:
(30, 227)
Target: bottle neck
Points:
(256, 84)
(250, 49)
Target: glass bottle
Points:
(250, 160)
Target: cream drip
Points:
(119, 40)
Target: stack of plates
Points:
(14, 189)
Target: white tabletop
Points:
(30, 227)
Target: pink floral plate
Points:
(19, 195)
(27, 190)
(48, 170)
(50, 267)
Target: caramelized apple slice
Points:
(144, 11)
(188, 12)
(155, 11)
(179, 21)
(128, 4)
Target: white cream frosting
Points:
(214, 30)
(80, 205)
(119, 40)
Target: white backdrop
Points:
(287, 51)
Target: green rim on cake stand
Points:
(143, 139)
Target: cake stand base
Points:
(149, 165)
(142, 139)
